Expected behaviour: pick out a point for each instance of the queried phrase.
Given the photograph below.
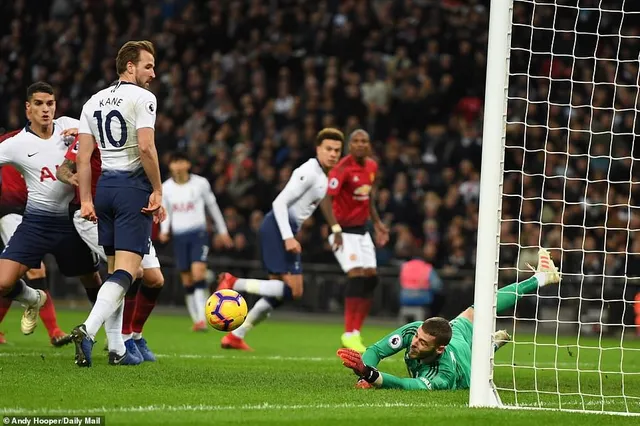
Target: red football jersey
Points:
(350, 185)
(96, 166)
(14, 189)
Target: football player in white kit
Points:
(120, 121)
(46, 225)
(298, 200)
(185, 197)
(141, 297)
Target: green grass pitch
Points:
(293, 377)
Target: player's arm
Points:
(388, 381)
(165, 226)
(297, 185)
(390, 344)
(86, 145)
(213, 209)
(67, 171)
(8, 151)
(145, 125)
(382, 232)
(336, 177)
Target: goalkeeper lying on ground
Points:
(438, 352)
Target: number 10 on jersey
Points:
(104, 128)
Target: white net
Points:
(571, 184)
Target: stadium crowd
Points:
(243, 86)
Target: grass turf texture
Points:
(293, 377)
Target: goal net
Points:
(561, 120)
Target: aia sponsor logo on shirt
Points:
(183, 207)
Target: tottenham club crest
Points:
(395, 341)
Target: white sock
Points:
(136, 336)
(28, 296)
(260, 312)
(200, 299)
(110, 298)
(541, 277)
(126, 337)
(267, 288)
(191, 307)
(113, 328)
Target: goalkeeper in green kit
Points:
(438, 352)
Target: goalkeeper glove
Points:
(353, 360)
(363, 384)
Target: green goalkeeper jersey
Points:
(450, 371)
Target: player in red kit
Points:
(141, 297)
(351, 185)
(13, 198)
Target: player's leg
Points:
(5, 303)
(200, 293)
(371, 279)
(182, 258)
(351, 261)
(127, 240)
(25, 250)
(198, 252)
(38, 280)
(130, 307)
(545, 274)
(274, 258)
(146, 299)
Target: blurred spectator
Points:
(243, 86)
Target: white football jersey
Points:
(185, 204)
(38, 159)
(113, 116)
(300, 197)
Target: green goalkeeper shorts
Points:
(461, 347)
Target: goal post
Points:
(560, 170)
(482, 392)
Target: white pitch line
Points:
(267, 407)
(202, 407)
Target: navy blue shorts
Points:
(39, 235)
(121, 224)
(275, 258)
(190, 247)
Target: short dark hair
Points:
(130, 52)
(179, 156)
(439, 328)
(355, 132)
(329, 133)
(39, 87)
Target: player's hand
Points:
(155, 203)
(353, 360)
(382, 233)
(292, 246)
(226, 240)
(163, 238)
(160, 215)
(70, 132)
(337, 241)
(73, 180)
(363, 384)
(88, 212)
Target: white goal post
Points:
(561, 170)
